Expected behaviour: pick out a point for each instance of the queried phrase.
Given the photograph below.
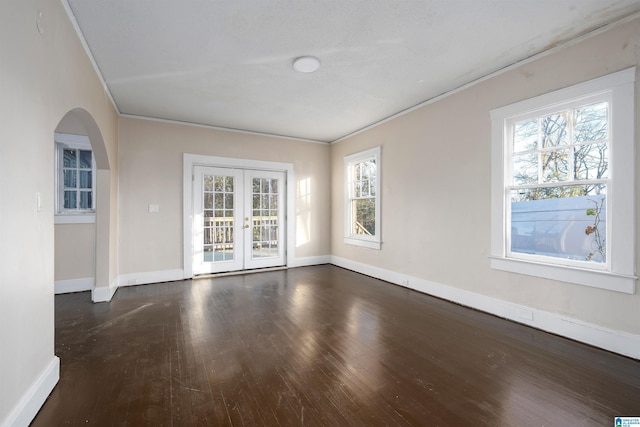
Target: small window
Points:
(362, 199)
(75, 179)
(563, 174)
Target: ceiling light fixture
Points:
(306, 64)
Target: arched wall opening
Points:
(93, 236)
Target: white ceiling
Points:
(228, 63)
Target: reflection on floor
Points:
(319, 346)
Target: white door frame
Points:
(191, 160)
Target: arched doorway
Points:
(80, 123)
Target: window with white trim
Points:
(563, 184)
(75, 179)
(362, 198)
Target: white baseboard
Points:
(616, 341)
(311, 260)
(104, 293)
(31, 402)
(73, 285)
(132, 279)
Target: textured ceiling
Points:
(229, 63)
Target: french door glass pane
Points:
(218, 202)
(265, 218)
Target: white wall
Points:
(151, 156)
(436, 191)
(75, 255)
(42, 77)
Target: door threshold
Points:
(239, 272)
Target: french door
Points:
(238, 219)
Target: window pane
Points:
(219, 183)
(525, 169)
(69, 158)
(364, 216)
(208, 254)
(555, 166)
(372, 182)
(208, 200)
(266, 185)
(228, 201)
(357, 191)
(525, 135)
(85, 159)
(274, 185)
(85, 179)
(70, 200)
(592, 122)
(85, 200)
(208, 183)
(562, 222)
(228, 184)
(364, 189)
(218, 200)
(592, 161)
(554, 130)
(70, 179)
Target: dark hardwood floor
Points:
(319, 346)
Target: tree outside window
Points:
(362, 217)
(560, 165)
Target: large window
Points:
(563, 184)
(75, 179)
(362, 198)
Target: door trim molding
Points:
(191, 160)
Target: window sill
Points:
(363, 243)
(89, 218)
(593, 278)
